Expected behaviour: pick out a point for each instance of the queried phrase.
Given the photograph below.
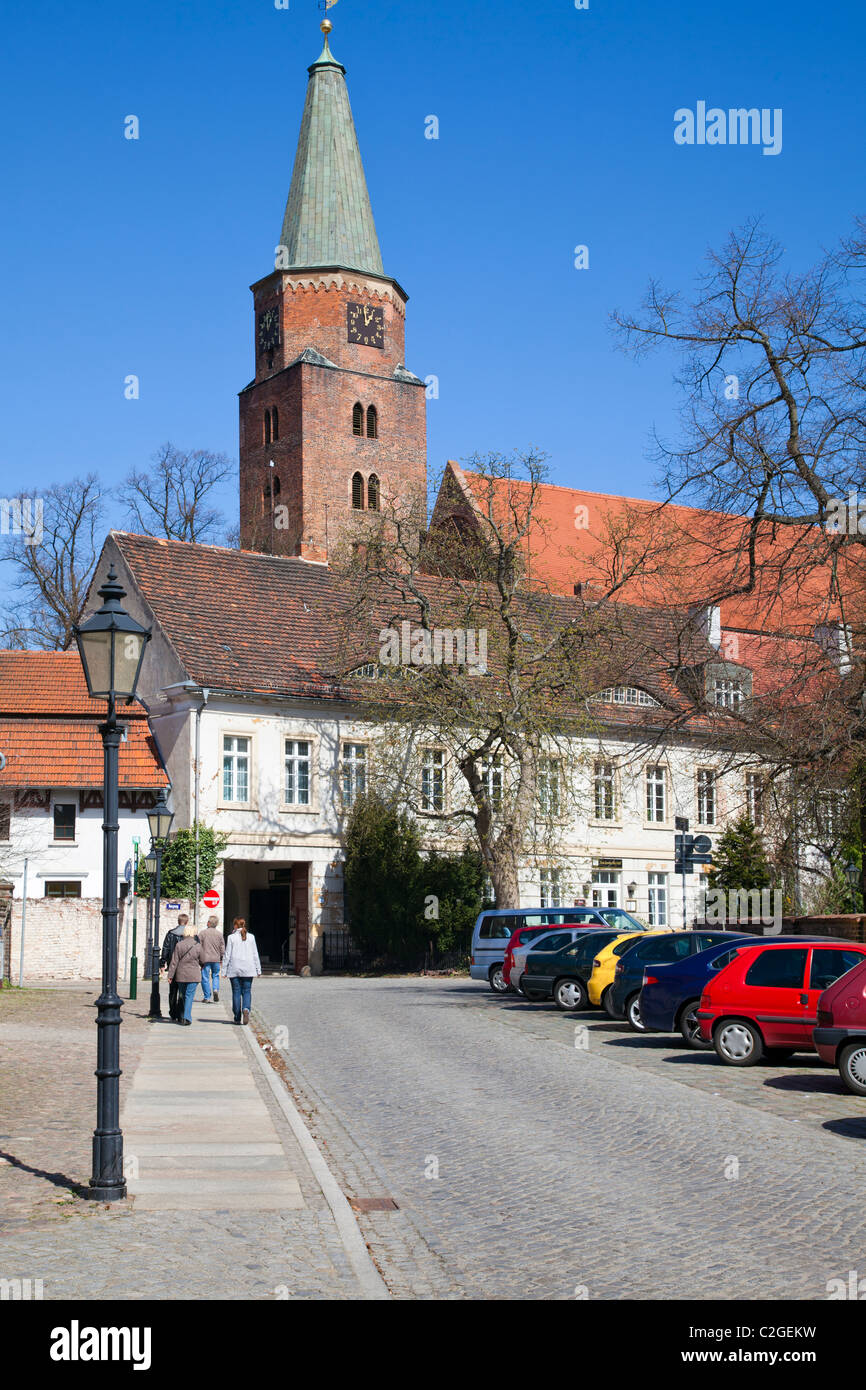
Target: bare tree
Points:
(171, 498)
(455, 646)
(51, 571)
(773, 376)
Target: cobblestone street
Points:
(560, 1168)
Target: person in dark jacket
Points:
(185, 971)
(175, 1008)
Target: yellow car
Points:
(604, 964)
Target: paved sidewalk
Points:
(166, 1243)
(197, 1133)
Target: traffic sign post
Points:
(689, 850)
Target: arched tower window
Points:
(276, 487)
(373, 493)
(275, 424)
(357, 492)
(372, 422)
(267, 427)
(358, 419)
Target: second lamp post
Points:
(159, 820)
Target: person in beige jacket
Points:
(213, 948)
(185, 968)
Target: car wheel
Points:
(497, 980)
(570, 995)
(738, 1042)
(690, 1026)
(632, 1015)
(607, 1001)
(852, 1067)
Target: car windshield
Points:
(618, 917)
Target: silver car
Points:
(552, 941)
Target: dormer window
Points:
(358, 419)
(728, 694)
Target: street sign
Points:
(127, 871)
(702, 844)
(172, 907)
(211, 899)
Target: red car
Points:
(840, 1037)
(765, 1002)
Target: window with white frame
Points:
(656, 793)
(624, 695)
(236, 769)
(491, 775)
(433, 780)
(657, 914)
(296, 783)
(604, 789)
(353, 771)
(755, 798)
(706, 796)
(728, 694)
(605, 888)
(547, 786)
(551, 888)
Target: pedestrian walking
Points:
(213, 948)
(241, 965)
(185, 970)
(175, 1009)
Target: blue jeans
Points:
(210, 978)
(187, 992)
(242, 989)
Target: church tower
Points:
(333, 423)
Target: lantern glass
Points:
(852, 873)
(150, 864)
(160, 819)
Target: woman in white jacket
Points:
(241, 965)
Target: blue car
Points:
(670, 1003)
(624, 998)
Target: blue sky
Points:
(556, 128)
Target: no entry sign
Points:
(211, 899)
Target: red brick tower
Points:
(333, 423)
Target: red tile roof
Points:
(49, 727)
(578, 535)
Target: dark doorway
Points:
(269, 923)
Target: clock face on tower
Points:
(366, 325)
(269, 330)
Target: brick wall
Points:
(63, 937)
(317, 452)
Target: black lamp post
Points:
(852, 873)
(111, 645)
(159, 820)
(150, 866)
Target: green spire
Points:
(328, 218)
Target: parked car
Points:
(624, 1000)
(671, 994)
(765, 1001)
(515, 956)
(604, 965)
(493, 930)
(840, 1037)
(563, 974)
